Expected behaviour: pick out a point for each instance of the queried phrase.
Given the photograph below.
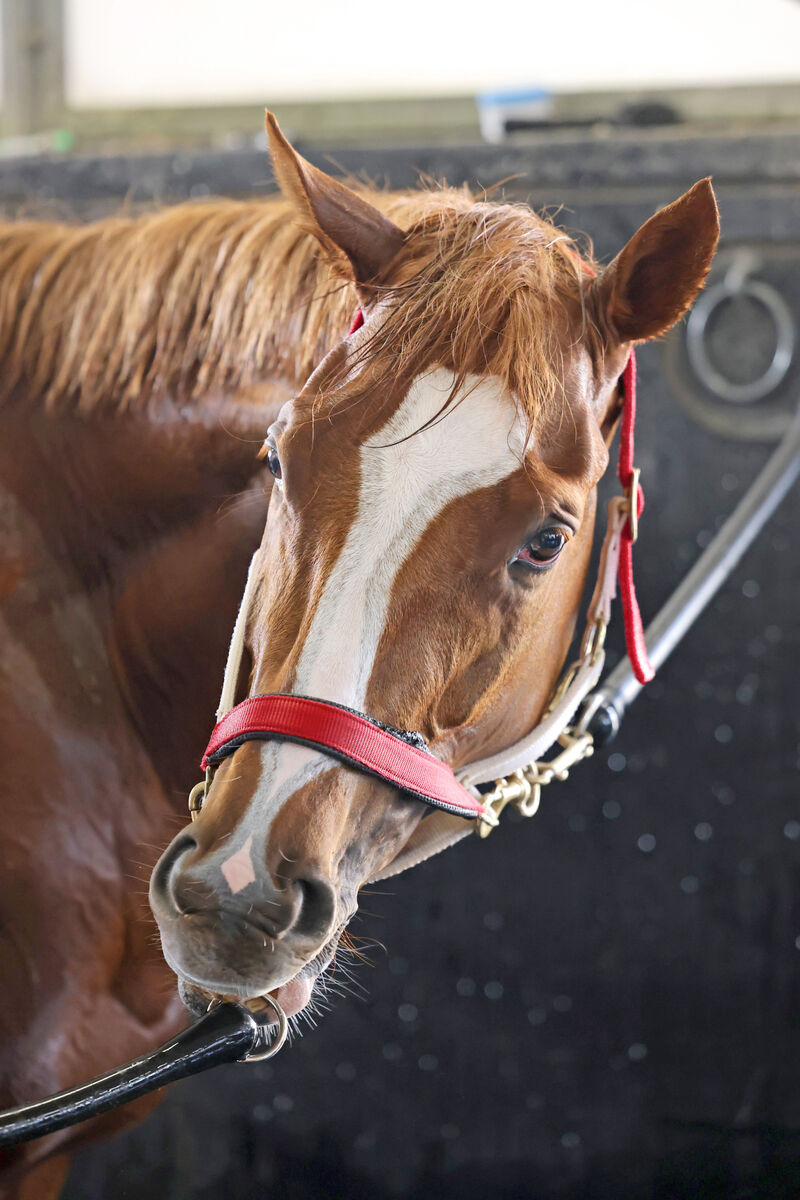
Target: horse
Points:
(178, 393)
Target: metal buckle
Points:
(631, 503)
(516, 789)
(523, 788)
(198, 794)
(594, 639)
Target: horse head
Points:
(425, 548)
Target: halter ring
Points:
(261, 1024)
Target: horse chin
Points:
(293, 996)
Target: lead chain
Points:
(523, 788)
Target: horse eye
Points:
(540, 551)
(273, 462)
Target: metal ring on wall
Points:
(737, 282)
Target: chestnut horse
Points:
(423, 560)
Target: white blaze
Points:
(409, 474)
(404, 486)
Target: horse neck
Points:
(109, 486)
(146, 523)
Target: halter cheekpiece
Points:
(401, 757)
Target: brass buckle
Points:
(198, 794)
(514, 789)
(631, 503)
(594, 639)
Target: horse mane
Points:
(205, 299)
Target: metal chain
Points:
(523, 788)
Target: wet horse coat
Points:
(143, 362)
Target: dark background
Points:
(564, 1010)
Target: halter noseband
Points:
(401, 757)
(398, 756)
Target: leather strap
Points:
(357, 740)
(542, 736)
(438, 831)
(634, 631)
(605, 590)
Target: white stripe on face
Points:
(404, 486)
(403, 489)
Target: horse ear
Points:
(656, 276)
(353, 233)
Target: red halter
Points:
(401, 757)
(397, 756)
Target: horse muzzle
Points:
(243, 944)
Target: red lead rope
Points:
(629, 478)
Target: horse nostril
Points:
(187, 885)
(162, 880)
(317, 906)
(191, 893)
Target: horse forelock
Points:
(487, 290)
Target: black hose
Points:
(225, 1034)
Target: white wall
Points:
(140, 52)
